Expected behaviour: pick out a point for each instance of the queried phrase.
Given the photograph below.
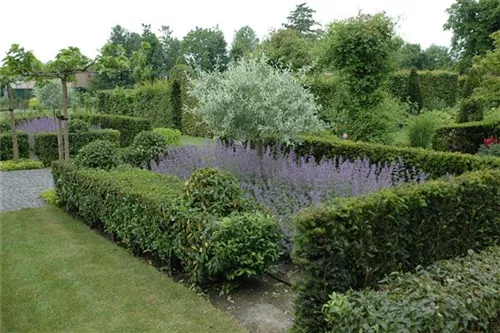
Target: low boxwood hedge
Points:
(152, 214)
(46, 143)
(450, 296)
(129, 127)
(6, 152)
(355, 242)
(466, 137)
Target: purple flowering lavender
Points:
(286, 183)
(37, 125)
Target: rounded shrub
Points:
(470, 110)
(78, 126)
(214, 191)
(172, 136)
(147, 146)
(99, 154)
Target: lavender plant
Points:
(286, 183)
(37, 125)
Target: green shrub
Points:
(172, 136)
(176, 101)
(6, 145)
(147, 146)
(146, 213)
(421, 130)
(458, 295)
(466, 137)
(435, 164)
(415, 92)
(214, 191)
(355, 242)
(78, 126)
(23, 164)
(118, 101)
(99, 154)
(46, 143)
(470, 110)
(493, 150)
(129, 127)
(50, 197)
(472, 81)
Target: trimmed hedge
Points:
(466, 137)
(457, 295)
(355, 242)
(148, 213)
(129, 127)
(23, 164)
(435, 164)
(6, 152)
(46, 143)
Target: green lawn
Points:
(187, 140)
(59, 276)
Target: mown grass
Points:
(59, 276)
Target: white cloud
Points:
(46, 26)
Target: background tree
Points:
(155, 57)
(17, 65)
(67, 63)
(488, 69)
(288, 48)
(244, 42)
(472, 22)
(142, 70)
(437, 57)
(254, 101)
(415, 92)
(171, 47)
(206, 48)
(301, 19)
(411, 56)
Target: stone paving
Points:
(21, 189)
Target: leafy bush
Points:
(50, 197)
(78, 126)
(6, 152)
(23, 164)
(129, 127)
(415, 92)
(457, 295)
(146, 213)
(353, 243)
(491, 147)
(148, 146)
(466, 137)
(46, 143)
(214, 191)
(470, 110)
(99, 154)
(172, 136)
(421, 130)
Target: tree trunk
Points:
(60, 147)
(64, 123)
(13, 133)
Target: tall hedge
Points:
(415, 91)
(129, 127)
(46, 143)
(6, 152)
(435, 164)
(466, 137)
(354, 243)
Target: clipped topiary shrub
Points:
(172, 136)
(470, 110)
(78, 126)
(415, 92)
(214, 191)
(147, 146)
(99, 154)
(6, 152)
(176, 101)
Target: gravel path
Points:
(21, 189)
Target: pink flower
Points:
(490, 141)
(345, 136)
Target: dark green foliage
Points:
(176, 102)
(457, 295)
(206, 48)
(118, 101)
(129, 127)
(492, 150)
(78, 125)
(214, 191)
(46, 143)
(415, 92)
(466, 137)
(6, 145)
(147, 213)
(472, 81)
(355, 242)
(99, 154)
(288, 48)
(147, 146)
(301, 19)
(435, 164)
(470, 110)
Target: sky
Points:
(46, 26)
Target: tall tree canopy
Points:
(288, 48)
(302, 20)
(244, 42)
(472, 22)
(206, 48)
